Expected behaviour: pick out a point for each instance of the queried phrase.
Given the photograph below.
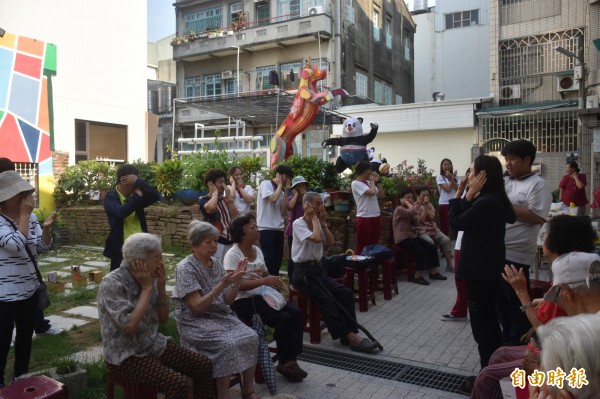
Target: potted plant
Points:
(68, 371)
(212, 34)
(219, 32)
(230, 32)
(342, 206)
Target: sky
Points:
(161, 19)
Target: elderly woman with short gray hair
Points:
(132, 302)
(202, 295)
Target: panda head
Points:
(352, 127)
(371, 153)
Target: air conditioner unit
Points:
(510, 92)
(316, 10)
(567, 83)
(227, 74)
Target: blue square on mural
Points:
(24, 97)
(6, 61)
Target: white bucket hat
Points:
(298, 180)
(11, 184)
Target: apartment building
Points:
(241, 59)
(544, 76)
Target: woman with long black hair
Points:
(482, 215)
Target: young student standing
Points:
(366, 189)
(271, 205)
(531, 200)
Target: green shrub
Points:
(406, 176)
(147, 171)
(318, 173)
(65, 365)
(168, 177)
(77, 181)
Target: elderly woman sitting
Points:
(202, 295)
(287, 322)
(132, 303)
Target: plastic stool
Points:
(366, 285)
(35, 387)
(133, 390)
(404, 259)
(310, 315)
(388, 281)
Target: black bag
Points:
(335, 265)
(43, 300)
(379, 252)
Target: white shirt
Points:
(520, 239)
(367, 206)
(303, 249)
(239, 202)
(254, 270)
(445, 196)
(268, 214)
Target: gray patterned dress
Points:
(217, 333)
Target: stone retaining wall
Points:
(89, 225)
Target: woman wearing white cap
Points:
(19, 229)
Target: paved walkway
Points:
(408, 326)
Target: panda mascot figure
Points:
(378, 164)
(353, 143)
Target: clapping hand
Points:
(234, 277)
(50, 220)
(516, 278)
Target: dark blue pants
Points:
(41, 324)
(426, 256)
(22, 315)
(287, 323)
(271, 244)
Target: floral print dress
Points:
(216, 333)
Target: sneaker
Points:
(51, 331)
(451, 317)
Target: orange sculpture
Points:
(304, 110)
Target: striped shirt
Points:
(18, 279)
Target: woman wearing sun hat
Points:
(295, 211)
(18, 298)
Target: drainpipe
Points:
(337, 42)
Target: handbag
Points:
(377, 251)
(43, 300)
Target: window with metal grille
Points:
(462, 19)
(362, 84)
(29, 172)
(378, 92)
(212, 84)
(548, 131)
(262, 77)
(262, 13)
(376, 30)
(192, 86)
(200, 21)
(288, 9)
(388, 32)
(406, 40)
(387, 94)
(286, 71)
(235, 12)
(349, 12)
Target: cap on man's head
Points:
(573, 267)
(11, 184)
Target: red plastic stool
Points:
(133, 390)
(388, 281)
(310, 315)
(404, 260)
(35, 387)
(366, 285)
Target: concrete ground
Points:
(408, 326)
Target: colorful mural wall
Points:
(26, 117)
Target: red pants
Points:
(443, 210)
(460, 307)
(367, 232)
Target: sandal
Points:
(420, 281)
(437, 276)
(365, 346)
(251, 395)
